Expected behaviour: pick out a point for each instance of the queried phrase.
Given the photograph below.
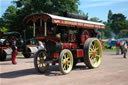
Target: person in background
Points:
(117, 47)
(41, 46)
(12, 42)
(124, 47)
(14, 52)
(121, 46)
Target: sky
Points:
(94, 8)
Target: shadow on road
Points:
(52, 71)
(80, 67)
(18, 73)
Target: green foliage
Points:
(95, 19)
(3, 29)
(109, 17)
(2, 23)
(118, 17)
(10, 18)
(105, 46)
(103, 35)
(114, 24)
(108, 31)
(48, 6)
(118, 23)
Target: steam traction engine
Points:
(65, 40)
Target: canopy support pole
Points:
(45, 28)
(34, 29)
(41, 23)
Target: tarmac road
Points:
(113, 71)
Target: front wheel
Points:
(40, 61)
(92, 53)
(65, 61)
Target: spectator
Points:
(14, 49)
(117, 47)
(121, 46)
(41, 46)
(124, 47)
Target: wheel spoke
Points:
(97, 48)
(68, 58)
(91, 49)
(94, 60)
(44, 57)
(64, 66)
(91, 57)
(97, 58)
(91, 53)
(67, 66)
(64, 57)
(40, 65)
(63, 62)
(43, 64)
(92, 46)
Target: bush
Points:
(106, 46)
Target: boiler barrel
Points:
(30, 52)
(77, 16)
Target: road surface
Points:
(112, 71)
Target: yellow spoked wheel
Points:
(40, 61)
(65, 61)
(92, 53)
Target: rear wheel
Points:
(27, 55)
(40, 61)
(65, 61)
(92, 53)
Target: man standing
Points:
(14, 49)
(117, 47)
(14, 52)
(124, 47)
(121, 46)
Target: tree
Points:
(95, 19)
(9, 18)
(48, 6)
(118, 17)
(1, 22)
(114, 24)
(108, 31)
(118, 23)
(109, 17)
